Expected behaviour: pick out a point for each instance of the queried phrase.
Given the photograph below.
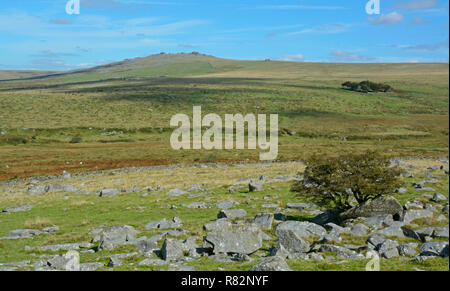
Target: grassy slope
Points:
(132, 101)
(10, 75)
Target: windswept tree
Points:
(334, 182)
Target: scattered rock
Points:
(164, 224)
(408, 250)
(38, 189)
(51, 229)
(226, 204)
(413, 205)
(67, 188)
(263, 220)
(90, 267)
(434, 249)
(301, 228)
(292, 242)
(256, 186)
(109, 192)
(242, 240)
(172, 249)
(115, 236)
(334, 228)
(388, 249)
(280, 251)
(401, 190)
(438, 197)
(271, 264)
(114, 262)
(65, 262)
(409, 216)
(341, 252)
(380, 206)
(445, 209)
(196, 205)
(195, 188)
(22, 233)
(147, 246)
(359, 230)
(379, 220)
(177, 192)
(218, 225)
(152, 262)
(441, 232)
(394, 230)
(25, 207)
(374, 241)
(135, 189)
(61, 247)
(232, 214)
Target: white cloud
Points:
(295, 7)
(262, 28)
(292, 58)
(345, 56)
(415, 4)
(424, 47)
(61, 21)
(418, 21)
(324, 29)
(387, 19)
(92, 26)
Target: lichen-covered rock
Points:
(293, 243)
(434, 249)
(65, 262)
(256, 186)
(241, 240)
(172, 249)
(263, 220)
(379, 206)
(164, 224)
(271, 264)
(232, 214)
(20, 208)
(177, 192)
(115, 236)
(218, 225)
(409, 216)
(110, 192)
(301, 228)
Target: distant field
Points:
(120, 112)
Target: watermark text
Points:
(235, 125)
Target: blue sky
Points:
(39, 34)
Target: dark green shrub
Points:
(367, 86)
(76, 139)
(334, 182)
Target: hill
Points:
(118, 114)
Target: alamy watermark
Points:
(235, 124)
(373, 7)
(73, 7)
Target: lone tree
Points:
(334, 182)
